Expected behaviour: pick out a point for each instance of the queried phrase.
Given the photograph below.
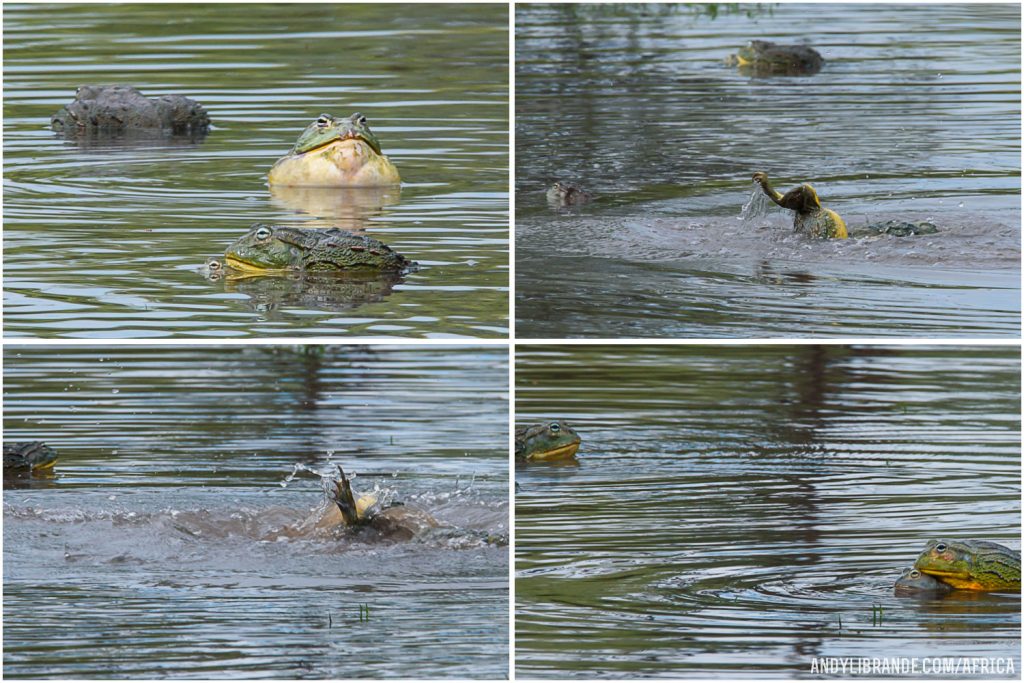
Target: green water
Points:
(737, 511)
(105, 240)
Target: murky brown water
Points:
(739, 511)
(160, 547)
(915, 115)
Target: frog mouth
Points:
(939, 572)
(345, 137)
(562, 452)
(236, 263)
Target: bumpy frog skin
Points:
(811, 219)
(764, 58)
(108, 109)
(913, 582)
(546, 442)
(335, 152)
(971, 565)
(29, 455)
(278, 248)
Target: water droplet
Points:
(115, 391)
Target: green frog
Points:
(914, 582)
(269, 248)
(547, 442)
(336, 152)
(971, 565)
(31, 456)
(811, 219)
(765, 58)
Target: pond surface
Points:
(162, 547)
(739, 511)
(914, 116)
(106, 240)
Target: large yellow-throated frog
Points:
(339, 152)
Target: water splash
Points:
(757, 206)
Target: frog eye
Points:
(360, 119)
(323, 121)
(914, 574)
(941, 547)
(555, 427)
(263, 233)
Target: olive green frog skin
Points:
(811, 219)
(764, 58)
(28, 456)
(274, 248)
(913, 582)
(546, 442)
(567, 194)
(971, 565)
(335, 152)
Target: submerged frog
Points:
(811, 217)
(567, 194)
(278, 248)
(29, 456)
(546, 442)
(914, 582)
(335, 152)
(118, 108)
(765, 58)
(971, 565)
(896, 228)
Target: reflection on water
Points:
(103, 238)
(914, 116)
(350, 208)
(270, 293)
(738, 511)
(166, 523)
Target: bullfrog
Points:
(29, 456)
(765, 58)
(567, 194)
(914, 582)
(278, 248)
(546, 442)
(348, 510)
(337, 152)
(811, 217)
(118, 108)
(971, 565)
